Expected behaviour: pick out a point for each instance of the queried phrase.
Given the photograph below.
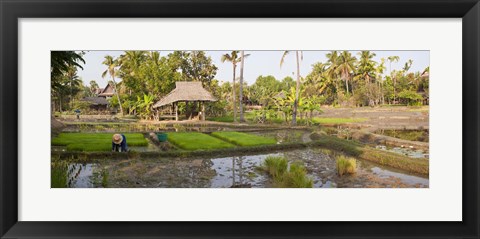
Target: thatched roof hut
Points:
(186, 91)
(96, 100)
(96, 103)
(108, 91)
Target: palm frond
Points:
(285, 53)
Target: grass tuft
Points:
(294, 176)
(346, 165)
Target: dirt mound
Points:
(56, 126)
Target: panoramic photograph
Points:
(240, 119)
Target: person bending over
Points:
(119, 143)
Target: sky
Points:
(258, 63)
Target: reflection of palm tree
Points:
(240, 169)
(233, 171)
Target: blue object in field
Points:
(162, 137)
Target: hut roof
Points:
(96, 100)
(107, 91)
(186, 91)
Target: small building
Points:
(107, 92)
(97, 103)
(184, 91)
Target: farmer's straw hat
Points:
(117, 139)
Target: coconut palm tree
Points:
(242, 59)
(332, 70)
(346, 67)
(297, 89)
(234, 59)
(111, 65)
(379, 70)
(93, 87)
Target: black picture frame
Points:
(11, 11)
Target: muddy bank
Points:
(372, 138)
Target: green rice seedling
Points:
(297, 177)
(196, 141)
(95, 141)
(346, 165)
(294, 176)
(243, 139)
(276, 166)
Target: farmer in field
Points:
(119, 143)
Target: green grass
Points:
(283, 176)
(318, 120)
(95, 141)
(346, 165)
(243, 139)
(196, 141)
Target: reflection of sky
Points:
(259, 63)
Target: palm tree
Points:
(234, 59)
(379, 70)
(242, 57)
(93, 87)
(332, 72)
(346, 66)
(111, 65)
(393, 59)
(297, 89)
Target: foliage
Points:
(410, 97)
(196, 141)
(243, 139)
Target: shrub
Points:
(346, 165)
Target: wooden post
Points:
(203, 110)
(176, 111)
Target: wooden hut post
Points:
(203, 110)
(176, 111)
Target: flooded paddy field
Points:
(225, 172)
